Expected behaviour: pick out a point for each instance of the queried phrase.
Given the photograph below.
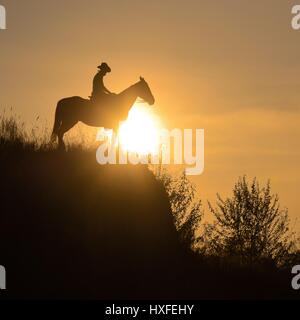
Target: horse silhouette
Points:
(108, 114)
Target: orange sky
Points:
(231, 67)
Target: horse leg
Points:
(65, 127)
(61, 143)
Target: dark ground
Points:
(73, 229)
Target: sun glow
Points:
(140, 133)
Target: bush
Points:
(186, 208)
(251, 227)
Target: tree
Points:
(186, 208)
(250, 226)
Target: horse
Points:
(70, 111)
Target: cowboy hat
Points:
(104, 67)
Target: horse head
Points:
(145, 92)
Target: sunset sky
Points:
(231, 67)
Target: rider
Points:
(99, 90)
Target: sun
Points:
(140, 133)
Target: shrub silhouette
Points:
(251, 227)
(186, 208)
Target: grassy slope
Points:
(71, 228)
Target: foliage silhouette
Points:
(251, 227)
(186, 208)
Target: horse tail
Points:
(57, 122)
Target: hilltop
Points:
(71, 228)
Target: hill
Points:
(71, 228)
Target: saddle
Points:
(102, 99)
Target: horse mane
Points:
(130, 88)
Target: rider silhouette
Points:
(99, 90)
